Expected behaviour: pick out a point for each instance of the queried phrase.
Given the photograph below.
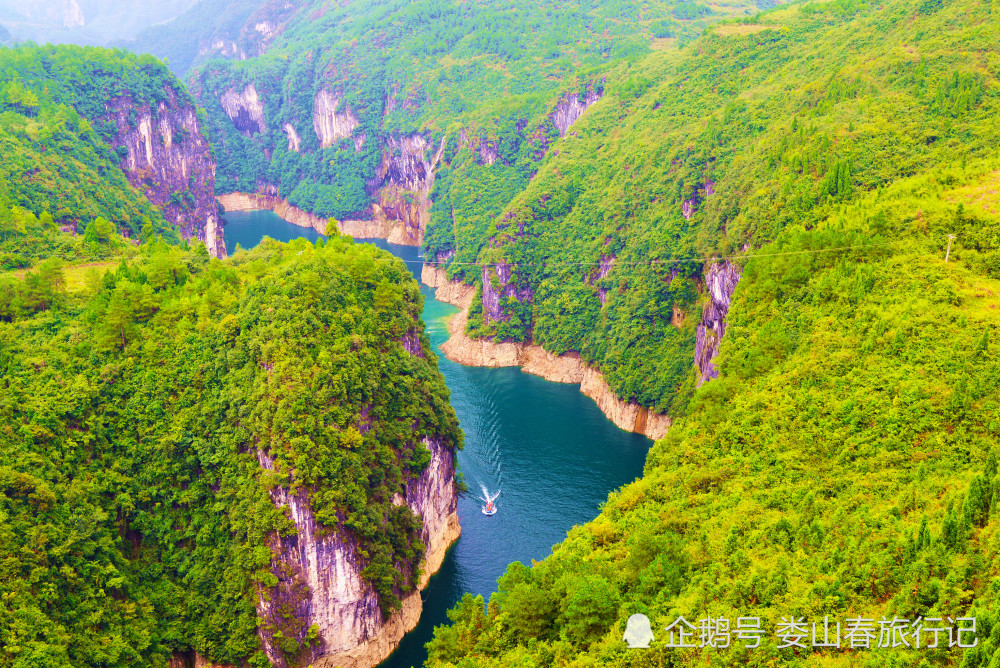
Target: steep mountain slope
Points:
(843, 464)
(242, 463)
(98, 22)
(762, 126)
(215, 28)
(774, 205)
(351, 109)
(600, 155)
(108, 110)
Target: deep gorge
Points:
(547, 446)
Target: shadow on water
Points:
(548, 446)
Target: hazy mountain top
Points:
(85, 21)
(226, 28)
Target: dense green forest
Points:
(445, 66)
(845, 462)
(134, 514)
(87, 78)
(775, 121)
(771, 120)
(59, 173)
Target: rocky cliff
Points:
(404, 181)
(721, 280)
(166, 156)
(499, 284)
(332, 123)
(252, 37)
(571, 107)
(320, 586)
(245, 109)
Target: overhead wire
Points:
(699, 260)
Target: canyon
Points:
(533, 359)
(403, 182)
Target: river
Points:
(546, 446)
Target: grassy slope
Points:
(846, 461)
(844, 464)
(786, 123)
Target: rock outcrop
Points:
(603, 269)
(404, 181)
(245, 110)
(571, 107)
(499, 284)
(294, 140)
(319, 575)
(449, 292)
(567, 368)
(165, 155)
(330, 122)
(721, 280)
(251, 38)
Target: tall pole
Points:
(948, 254)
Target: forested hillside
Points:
(843, 465)
(329, 116)
(167, 425)
(94, 133)
(759, 126)
(59, 175)
(569, 147)
(844, 461)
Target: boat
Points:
(487, 498)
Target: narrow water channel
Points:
(546, 446)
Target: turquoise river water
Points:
(546, 446)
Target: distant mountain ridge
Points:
(93, 22)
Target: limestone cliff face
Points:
(294, 140)
(319, 575)
(720, 282)
(330, 121)
(404, 181)
(450, 292)
(245, 110)
(571, 107)
(166, 156)
(499, 284)
(432, 497)
(252, 39)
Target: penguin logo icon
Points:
(638, 632)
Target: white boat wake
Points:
(488, 499)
